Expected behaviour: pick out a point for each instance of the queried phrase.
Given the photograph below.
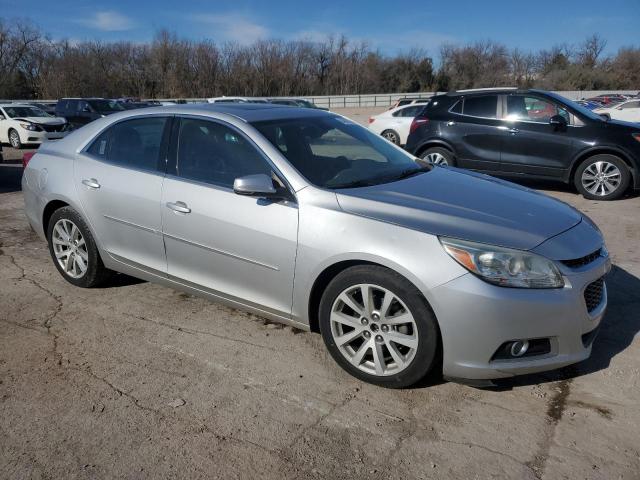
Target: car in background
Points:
(590, 104)
(608, 99)
(236, 100)
(628, 111)
(80, 111)
(24, 124)
(295, 102)
(403, 268)
(394, 124)
(529, 134)
(408, 101)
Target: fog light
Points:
(519, 348)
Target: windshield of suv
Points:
(333, 152)
(106, 106)
(576, 106)
(18, 112)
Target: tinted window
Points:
(213, 153)
(132, 143)
(72, 105)
(457, 108)
(533, 109)
(630, 105)
(105, 105)
(484, 106)
(410, 111)
(332, 152)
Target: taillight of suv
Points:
(26, 157)
(417, 122)
(372, 119)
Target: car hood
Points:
(42, 120)
(464, 205)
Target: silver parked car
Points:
(306, 218)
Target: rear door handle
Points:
(179, 207)
(91, 183)
(514, 130)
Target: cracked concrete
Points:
(88, 377)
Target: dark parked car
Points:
(529, 134)
(80, 111)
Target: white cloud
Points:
(231, 26)
(109, 22)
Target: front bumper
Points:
(28, 136)
(476, 317)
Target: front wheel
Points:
(602, 177)
(14, 139)
(378, 327)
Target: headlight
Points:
(503, 266)
(30, 126)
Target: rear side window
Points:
(133, 143)
(213, 153)
(457, 108)
(484, 106)
(630, 105)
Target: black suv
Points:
(80, 111)
(529, 133)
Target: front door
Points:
(119, 181)
(241, 248)
(531, 145)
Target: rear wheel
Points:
(74, 251)
(14, 139)
(602, 177)
(378, 327)
(438, 156)
(392, 136)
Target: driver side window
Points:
(212, 153)
(533, 109)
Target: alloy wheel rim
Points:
(374, 330)
(14, 139)
(436, 158)
(391, 137)
(601, 178)
(70, 248)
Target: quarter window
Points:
(630, 105)
(133, 143)
(213, 153)
(484, 106)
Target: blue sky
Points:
(392, 25)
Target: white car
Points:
(394, 124)
(22, 124)
(628, 111)
(236, 100)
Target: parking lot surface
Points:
(135, 380)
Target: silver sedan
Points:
(306, 218)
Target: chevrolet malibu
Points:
(306, 218)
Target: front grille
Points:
(593, 294)
(582, 261)
(52, 128)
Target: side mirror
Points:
(259, 185)
(559, 122)
(86, 109)
(2, 117)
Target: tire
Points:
(392, 136)
(438, 156)
(602, 177)
(95, 273)
(417, 350)
(14, 139)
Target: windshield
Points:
(17, 112)
(106, 106)
(332, 152)
(576, 106)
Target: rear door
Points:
(475, 130)
(531, 145)
(239, 247)
(119, 180)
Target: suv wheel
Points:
(602, 177)
(74, 251)
(378, 327)
(392, 136)
(14, 139)
(438, 156)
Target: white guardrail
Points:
(384, 99)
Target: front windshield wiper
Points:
(410, 172)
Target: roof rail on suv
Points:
(486, 89)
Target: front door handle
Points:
(514, 131)
(450, 123)
(91, 183)
(179, 207)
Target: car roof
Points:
(4, 105)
